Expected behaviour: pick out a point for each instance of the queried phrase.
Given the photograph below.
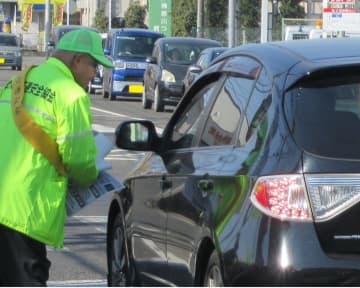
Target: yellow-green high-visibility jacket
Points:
(32, 193)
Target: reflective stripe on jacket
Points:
(32, 193)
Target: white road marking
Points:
(78, 283)
(115, 114)
(111, 129)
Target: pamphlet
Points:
(79, 197)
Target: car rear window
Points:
(323, 113)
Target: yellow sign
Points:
(20, 2)
(27, 16)
(136, 89)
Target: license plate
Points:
(2, 60)
(136, 89)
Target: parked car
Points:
(254, 180)
(128, 49)
(205, 58)
(164, 74)
(10, 51)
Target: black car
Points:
(254, 180)
(204, 60)
(167, 67)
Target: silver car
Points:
(10, 51)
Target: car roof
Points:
(187, 40)
(136, 31)
(72, 27)
(300, 55)
(214, 50)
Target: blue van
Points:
(128, 49)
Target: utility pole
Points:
(231, 23)
(110, 14)
(47, 24)
(264, 21)
(67, 12)
(200, 19)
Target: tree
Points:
(135, 16)
(250, 13)
(183, 17)
(291, 9)
(101, 22)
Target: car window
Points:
(8, 41)
(323, 113)
(183, 53)
(201, 60)
(225, 115)
(259, 102)
(187, 126)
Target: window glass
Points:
(256, 109)
(184, 53)
(325, 119)
(225, 115)
(187, 125)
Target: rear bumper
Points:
(265, 251)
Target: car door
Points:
(152, 73)
(199, 169)
(147, 220)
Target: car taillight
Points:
(331, 195)
(283, 197)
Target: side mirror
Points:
(137, 135)
(150, 60)
(51, 43)
(195, 69)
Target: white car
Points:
(10, 51)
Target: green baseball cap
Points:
(85, 41)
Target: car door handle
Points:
(205, 186)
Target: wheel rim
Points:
(118, 262)
(214, 278)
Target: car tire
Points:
(213, 276)
(18, 68)
(111, 95)
(104, 93)
(118, 263)
(158, 106)
(145, 102)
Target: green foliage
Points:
(101, 22)
(183, 17)
(135, 16)
(291, 9)
(250, 13)
(216, 13)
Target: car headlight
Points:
(17, 53)
(119, 65)
(167, 76)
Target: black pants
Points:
(23, 260)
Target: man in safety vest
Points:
(49, 100)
